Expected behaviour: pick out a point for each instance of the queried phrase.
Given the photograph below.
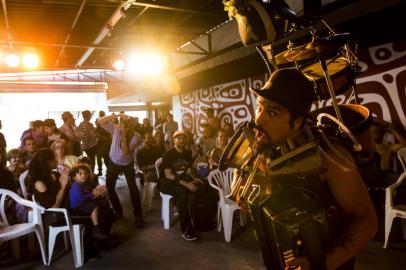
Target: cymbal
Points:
(283, 58)
(321, 47)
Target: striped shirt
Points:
(88, 135)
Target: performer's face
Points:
(273, 119)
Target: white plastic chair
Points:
(166, 199)
(10, 232)
(72, 231)
(23, 186)
(166, 209)
(402, 157)
(221, 181)
(393, 211)
(148, 194)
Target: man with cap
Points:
(282, 107)
(179, 181)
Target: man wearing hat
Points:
(179, 181)
(282, 107)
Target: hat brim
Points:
(267, 94)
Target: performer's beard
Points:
(263, 140)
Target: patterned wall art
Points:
(381, 87)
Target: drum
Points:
(340, 73)
(356, 118)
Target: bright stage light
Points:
(119, 64)
(30, 60)
(12, 60)
(146, 64)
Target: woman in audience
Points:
(52, 132)
(49, 187)
(207, 141)
(58, 147)
(385, 150)
(215, 154)
(169, 144)
(159, 141)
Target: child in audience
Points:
(86, 200)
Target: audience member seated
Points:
(6, 177)
(49, 187)
(159, 141)
(207, 142)
(58, 147)
(168, 140)
(170, 124)
(93, 178)
(15, 166)
(146, 127)
(7, 182)
(37, 133)
(3, 143)
(72, 133)
(179, 182)
(86, 200)
(386, 151)
(30, 148)
(191, 145)
(213, 121)
(215, 154)
(146, 157)
(52, 132)
(229, 129)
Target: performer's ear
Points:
(297, 123)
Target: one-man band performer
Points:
(283, 105)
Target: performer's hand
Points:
(299, 263)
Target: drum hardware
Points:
(330, 88)
(270, 65)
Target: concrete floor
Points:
(152, 247)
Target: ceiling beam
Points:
(44, 44)
(106, 30)
(175, 9)
(70, 32)
(10, 40)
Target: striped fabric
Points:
(88, 135)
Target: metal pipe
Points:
(43, 44)
(108, 26)
(10, 40)
(70, 32)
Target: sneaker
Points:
(98, 234)
(139, 222)
(188, 235)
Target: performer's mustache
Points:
(260, 145)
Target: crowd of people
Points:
(64, 164)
